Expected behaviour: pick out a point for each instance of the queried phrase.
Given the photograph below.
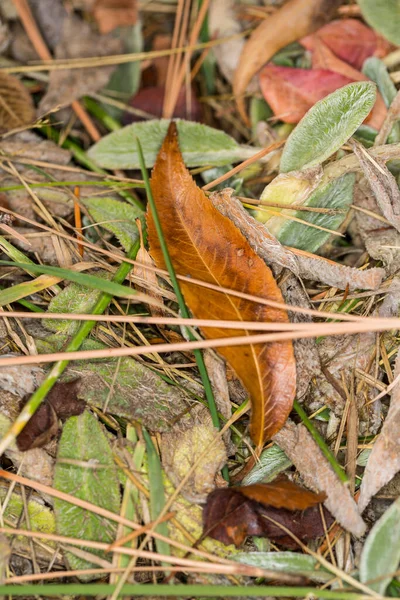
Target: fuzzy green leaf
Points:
(200, 145)
(116, 217)
(381, 553)
(73, 298)
(271, 462)
(384, 16)
(327, 126)
(337, 194)
(86, 470)
(285, 562)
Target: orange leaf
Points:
(205, 245)
(282, 493)
(296, 19)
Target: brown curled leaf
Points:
(206, 245)
(265, 510)
(296, 19)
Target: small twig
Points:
(244, 164)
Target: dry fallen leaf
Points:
(78, 41)
(384, 460)
(317, 474)
(61, 402)
(296, 19)
(383, 184)
(16, 105)
(205, 245)
(232, 514)
(111, 14)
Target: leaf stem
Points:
(59, 367)
(318, 439)
(182, 305)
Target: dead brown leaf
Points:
(317, 474)
(61, 402)
(78, 41)
(307, 265)
(207, 246)
(111, 14)
(384, 460)
(296, 19)
(16, 105)
(382, 183)
(232, 514)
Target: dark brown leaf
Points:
(61, 403)
(231, 515)
(206, 245)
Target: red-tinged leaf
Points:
(294, 20)
(292, 92)
(350, 40)
(324, 58)
(206, 245)
(232, 514)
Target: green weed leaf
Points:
(327, 126)
(271, 462)
(85, 469)
(384, 16)
(116, 217)
(285, 562)
(200, 145)
(381, 552)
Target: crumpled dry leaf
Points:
(16, 105)
(78, 41)
(317, 474)
(296, 19)
(232, 514)
(207, 246)
(20, 380)
(30, 146)
(382, 183)
(111, 14)
(307, 265)
(384, 460)
(183, 445)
